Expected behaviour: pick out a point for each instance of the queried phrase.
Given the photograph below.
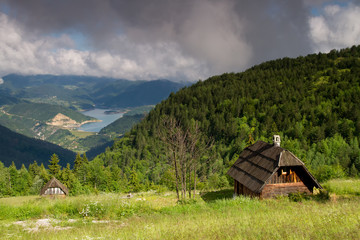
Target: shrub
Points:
(327, 172)
(321, 195)
(298, 196)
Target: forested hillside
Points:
(139, 94)
(20, 149)
(312, 102)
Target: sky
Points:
(179, 40)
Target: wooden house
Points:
(265, 170)
(54, 188)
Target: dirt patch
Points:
(47, 224)
(62, 120)
(41, 224)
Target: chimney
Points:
(276, 140)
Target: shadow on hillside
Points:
(215, 195)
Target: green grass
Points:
(343, 187)
(81, 134)
(214, 215)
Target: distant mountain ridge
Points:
(144, 93)
(82, 92)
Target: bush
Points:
(326, 172)
(298, 197)
(321, 195)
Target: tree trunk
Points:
(189, 173)
(184, 180)
(176, 177)
(194, 181)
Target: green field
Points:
(81, 134)
(151, 215)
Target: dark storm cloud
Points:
(270, 27)
(210, 36)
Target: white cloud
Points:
(26, 53)
(337, 27)
(1, 81)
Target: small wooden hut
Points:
(54, 188)
(265, 170)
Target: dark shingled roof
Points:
(53, 183)
(258, 162)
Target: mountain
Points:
(43, 112)
(125, 123)
(312, 102)
(144, 93)
(24, 150)
(122, 125)
(39, 119)
(85, 92)
(6, 98)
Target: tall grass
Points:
(343, 187)
(214, 215)
(239, 218)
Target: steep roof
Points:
(53, 183)
(258, 162)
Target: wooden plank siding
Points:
(272, 190)
(240, 189)
(278, 185)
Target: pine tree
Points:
(13, 175)
(34, 169)
(85, 159)
(24, 181)
(4, 180)
(43, 173)
(134, 183)
(67, 177)
(78, 163)
(82, 171)
(54, 167)
(353, 171)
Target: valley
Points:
(64, 110)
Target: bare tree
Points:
(196, 146)
(172, 135)
(185, 147)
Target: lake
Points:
(101, 115)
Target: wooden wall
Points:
(240, 189)
(271, 190)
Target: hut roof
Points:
(53, 183)
(258, 162)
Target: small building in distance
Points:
(54, 188)
(265, 170)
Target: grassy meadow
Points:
(213, 215)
